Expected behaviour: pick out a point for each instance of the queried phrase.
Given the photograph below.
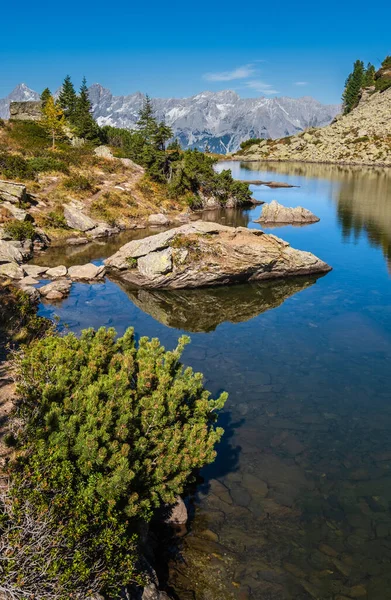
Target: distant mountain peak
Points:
(220, 119)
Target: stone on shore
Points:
(87, 272)
(75, 219)
(158, 220)
(11, 270)
(177, 513)
(203, 254)
(12, 192)
(10, 252)
(56, 272)
(279, 214)
(34, 270)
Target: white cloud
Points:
(238, 73)
(301, 82)
(261, 86)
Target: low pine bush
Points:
(108, 430)
(19, 230)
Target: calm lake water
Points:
(297, 504)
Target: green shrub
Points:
(382, 84)
(78, 183)
(108, 432)
(19, 230)
(40, 164)
(18, 317)
(250, 142)
(56, 219)
(13, 166)
(30, 136)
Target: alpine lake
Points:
(297, 505)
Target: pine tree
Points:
(68, 98)
(207, 148)
(369, 76)
(53, 119)
(353, 85)
(147, 124)
(83, 120)
(162, 135)
(45, 96)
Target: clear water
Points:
(297, 504)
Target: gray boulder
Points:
(75, 219)
(12, 192)
(87, 272)
(276, 213)
(10, 253)
(56, 272)
(103, 230)
(104, 152)
(11, 270)
(207, 254)
(26, 111)
(158, 220)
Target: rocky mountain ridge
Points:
(220, 119)
(361, 137)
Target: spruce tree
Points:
(369, 76)
(146, 123)
(46, 94)
(86, 126)
(68, 98)
(162, 135)
(353, 86)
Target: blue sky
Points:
(179, 49)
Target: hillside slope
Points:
(361, 137)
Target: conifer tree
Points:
(45, 96)
(68, 98)
(162, 135)
(353, 85)
(147, 124)
(86, 126)
(369, 76)
(53, 119)
(207, 148)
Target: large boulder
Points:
(208, 254)
(35, 270)
(12, 192)
(275, 213)
(16, 212)
(56, 272)
(26, 111)
(76, 219)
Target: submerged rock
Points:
(277, 213)
(208, 254)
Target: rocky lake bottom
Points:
(297, 505)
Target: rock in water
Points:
(158, 220)
(277, 213)
(87, 272)
(202, 254)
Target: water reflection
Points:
(204, 309)
(362, 197)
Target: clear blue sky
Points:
(179, 49)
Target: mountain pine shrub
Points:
(107, 431)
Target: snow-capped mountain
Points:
(220, 119)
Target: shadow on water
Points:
(203, 310)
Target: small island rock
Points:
(279, 214)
